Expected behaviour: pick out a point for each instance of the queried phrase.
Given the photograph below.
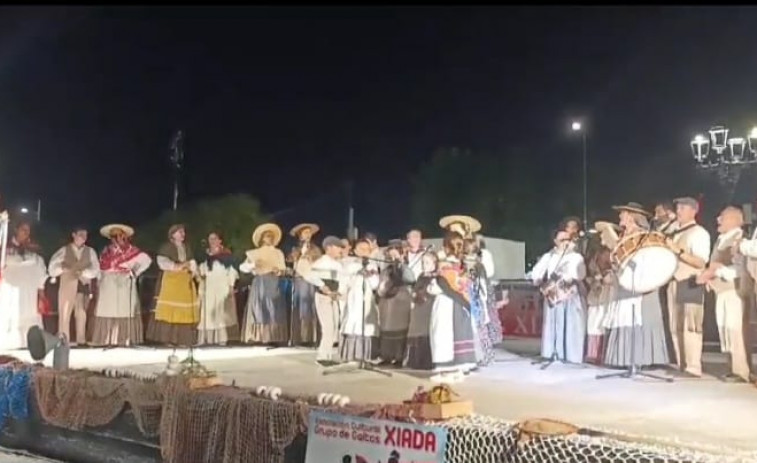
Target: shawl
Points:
(170, 251)
(114, 256)
(223, 257)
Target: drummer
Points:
(634, 321)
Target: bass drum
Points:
(643, 262)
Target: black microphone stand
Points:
(634, 370)
(362, 365)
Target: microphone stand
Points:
(362, 365)
(634, 370)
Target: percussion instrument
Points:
(643, 261)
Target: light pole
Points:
(577, 127)
(724, 156)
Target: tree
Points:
(235, 216)
(505, 192)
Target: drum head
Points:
(647, 269)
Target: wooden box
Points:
(204, 383)
(435, 412)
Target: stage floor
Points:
(703, 413)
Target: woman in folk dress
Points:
(451, 333)
(304, 319)
(395, 302)
(218, 311)
(177, 308)
(265, 319)
(21, 289)
(118, 313)
(360, 320)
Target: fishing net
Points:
(227, 425)
(73, 399)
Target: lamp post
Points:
(576, 126)
(727, 157)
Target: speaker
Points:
(40, 343)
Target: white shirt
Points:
(568, 266)
(727, 272)
(749, 247)
(326, 268)
(698, 241)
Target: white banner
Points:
(335, 438)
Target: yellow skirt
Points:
(177, 302)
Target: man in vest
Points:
(76, 265)
(691, 243)
(724, 276)
(748, 249)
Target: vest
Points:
(724, 256)
(74, 264)
(684, 270)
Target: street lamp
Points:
(576, 126)
(726, 157)
(38, 212)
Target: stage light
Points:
(24, 210)
(40, 343)
(576, 126)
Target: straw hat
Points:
(635, 208)
(107, 230)
(471, 224)
(257, 235)
(298, 228)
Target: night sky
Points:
(287, 104)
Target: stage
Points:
(705, 414)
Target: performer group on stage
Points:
(605, 292)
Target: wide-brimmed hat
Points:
(472, 225)
(107, 230)
(633, 207)
(257, 235)
(295, 231)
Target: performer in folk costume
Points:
(265, 319)
(664, 216)
(327, 274)
(559, 273)
(418, 350)
(218, 310)
(22, 288)
(600, 282)
(691, 242)
(746, 250)
(395, 302)
(451, 334)
(177, 308)
(360, 342)
(724, 275)
(118, 315)
(304, 320)
(75, 265)
(633, 319)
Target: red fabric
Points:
(114, 257)
(700, 204)
(44, 307)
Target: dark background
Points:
(288, 104)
